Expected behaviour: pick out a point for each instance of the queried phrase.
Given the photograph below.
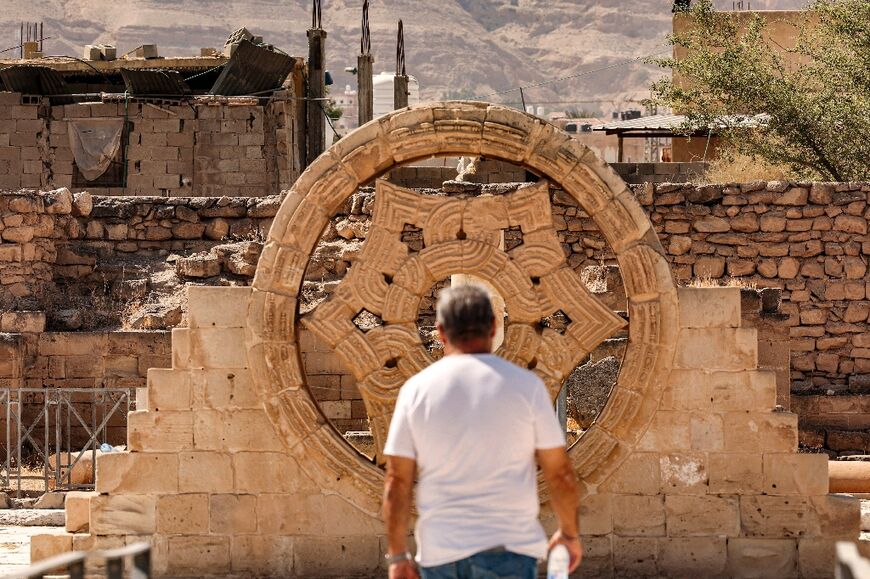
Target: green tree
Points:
(813, 100)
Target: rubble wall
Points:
(60, 237)
(228, 146)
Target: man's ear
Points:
(441, 334)
(494, 329)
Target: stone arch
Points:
(454, 129)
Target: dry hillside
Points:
(463, 46)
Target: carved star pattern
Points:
(461, 236)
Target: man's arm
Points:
(398, 493)
(560, 477)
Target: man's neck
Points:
(470, 347)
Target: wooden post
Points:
(365, 89)
(400, 91)
(619, 148)
(316, 90)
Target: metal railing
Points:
(73, 564)
(53, 429)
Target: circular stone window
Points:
(369, 320)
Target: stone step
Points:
(32, 518)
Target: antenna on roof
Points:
(316, 16)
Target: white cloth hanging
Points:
(94, 143)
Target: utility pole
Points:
(364, 68)
(316, 86)
(400, 81)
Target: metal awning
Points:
(34, 80)
(672, 126)
(154, 82)
(253, 70)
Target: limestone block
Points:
(137, 472)
(233, 514)
(707, 432)
(597, 557)
(269, 472)
(753, 390)
(49, 545)
(734, 473)
(22, 322)
(669, 430)
(796, 474)
(777, 517)
(756, 431)
(770, 557)
(717, 349)
(262, 555)
(702, 516)
(169, 389)
(164, 431)
(684, 473)
(340, 513)
(639, 474)
(180, 348)
(638, 516)
(816, 557)
(183, 514)
(635, 557)
(297, 514)
(205, 472)
(225, 389)
(596, 515)
(218, 348)
(709, 307)
(839, 515)
(336, 556)
(217, 307)
(693, 557)
(688, 390)
(198, 555)
(77, 508)
(235, 430)
(127, 514)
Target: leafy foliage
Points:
(814, 97)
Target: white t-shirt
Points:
(472, 422)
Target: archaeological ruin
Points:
(708, 344)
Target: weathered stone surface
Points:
(200, 266)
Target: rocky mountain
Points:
(454, 47)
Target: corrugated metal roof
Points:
(252, 70)
(31, 79)
(671, 122)
(650, 123)
(154, 82)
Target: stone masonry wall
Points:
(210, 147)
(808, 239)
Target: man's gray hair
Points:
(465, 312)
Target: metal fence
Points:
(73, 564)
(46, 433)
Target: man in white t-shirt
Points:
(469, 428)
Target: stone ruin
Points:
(691, 468)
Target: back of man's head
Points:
(465, 313)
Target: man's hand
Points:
(575, 548)
(404, 570)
